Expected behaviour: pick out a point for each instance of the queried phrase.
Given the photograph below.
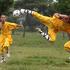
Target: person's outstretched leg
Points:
(7, 51)
(2, 55)
(67, 46)
(44, 34)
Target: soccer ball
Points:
(16, 13)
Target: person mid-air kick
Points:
(55, 24)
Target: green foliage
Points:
(38, 5)
(63, 6)
(5, 5)
(29, 3)
(46, 6)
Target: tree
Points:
(63, 6)
(30, 3)
(41, 6)
(5, 6)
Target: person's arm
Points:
(14, 26)
(19, 26)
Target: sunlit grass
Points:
(33, 52)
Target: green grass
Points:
(35, 53)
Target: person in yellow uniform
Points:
(55, 24)
(5, 37)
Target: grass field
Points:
(35, 53)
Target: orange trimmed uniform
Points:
(5, 37)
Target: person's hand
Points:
(20, 26)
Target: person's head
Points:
(3, 18)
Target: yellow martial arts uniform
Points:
(54, 25)
(5, 37)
